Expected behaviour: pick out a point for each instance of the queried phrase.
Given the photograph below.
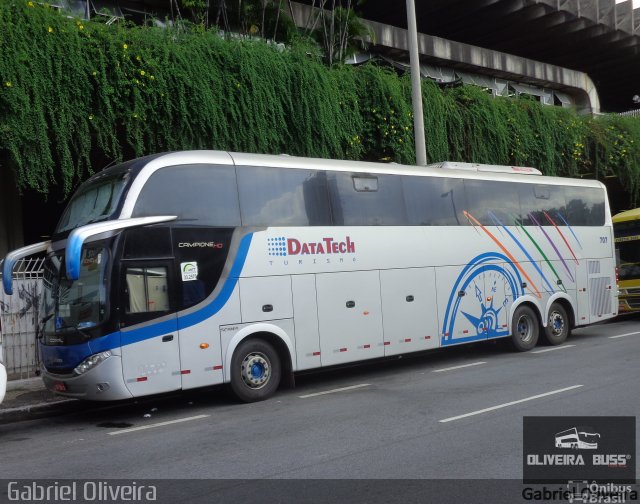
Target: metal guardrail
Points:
(18, 319)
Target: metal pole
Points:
(416, 88)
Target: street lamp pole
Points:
(416, 87)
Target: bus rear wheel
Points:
(524, 329)
(557, 329)
(255, 371)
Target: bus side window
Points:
(147, 290)
(492, 203)
(585, 206)
(198, 194)
(540, 203)
(282, 197)
(434, 201)
(361, 200)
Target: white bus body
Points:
(354, 261)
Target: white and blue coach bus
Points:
(191, 269)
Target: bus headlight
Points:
(91, 362)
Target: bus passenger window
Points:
(147, 290)
(198, 194)
(541, 204)
(283, 197)
(585, 206)
(434, 201)
(492, 203)
(360, 200)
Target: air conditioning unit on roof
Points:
(476, 167)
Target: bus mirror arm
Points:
(78, 236)
(12, 257)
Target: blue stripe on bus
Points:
(77, 353)
(7, 275)
(227, 289)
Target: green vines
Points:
(76, 95)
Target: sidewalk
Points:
(29, 398)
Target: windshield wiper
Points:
(82, 332)
(43, 321)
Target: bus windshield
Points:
(95, 202)
(627, 244)
(71, 306)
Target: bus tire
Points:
(525, 329)
(255, 370)
(557, 329)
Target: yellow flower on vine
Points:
(138, 58)
(91, 117)
(81, 27)
(94, 73)
(30, 4)
(151, 77)
(125, 46)
(8, 84)
(50, 30)
(142, 72)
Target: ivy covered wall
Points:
(76, 95)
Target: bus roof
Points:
(142, 168)
(628, 215)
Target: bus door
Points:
(149, 329)
(349, 316)
(582, 294)
(409, 310)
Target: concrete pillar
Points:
(11, 235)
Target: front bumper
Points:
(102, 383)
(3, 381)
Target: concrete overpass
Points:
(596, 37)
(444, 60)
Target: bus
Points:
(3, 372)
(190, 269)
(578, 439)
(626, 229)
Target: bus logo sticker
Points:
(277, 246)
(281, 246)
(189, 271)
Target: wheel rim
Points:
(256, 370)
(524, 328)
(556, 323)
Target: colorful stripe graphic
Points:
(570, 228)
(544, 256)
(533, 287)
(562, 236)
(566, 266)
(524, 250)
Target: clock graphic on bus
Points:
(479, 300)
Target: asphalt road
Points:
(450, 414)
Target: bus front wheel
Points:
(557, 329)
(524, 329)
(255, 370)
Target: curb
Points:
(27, 383)
(38, 410)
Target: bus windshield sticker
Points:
(189, 271)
